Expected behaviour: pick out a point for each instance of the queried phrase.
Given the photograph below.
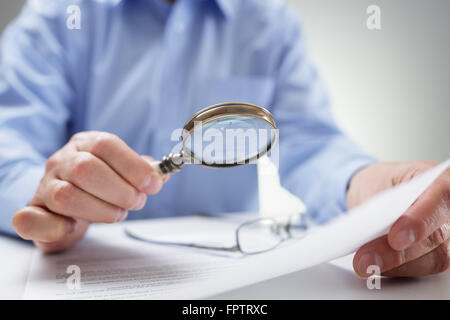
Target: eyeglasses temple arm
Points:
(183, 244)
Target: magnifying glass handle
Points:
(169, 164)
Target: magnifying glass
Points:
(222, 136)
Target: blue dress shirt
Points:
(140, 69)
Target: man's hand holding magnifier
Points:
(95, 177)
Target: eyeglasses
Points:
(251, 237)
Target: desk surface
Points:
(334, 280)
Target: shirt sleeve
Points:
(34, 99)
(316, 159)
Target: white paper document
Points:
(114, 266)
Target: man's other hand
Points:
(418, 242)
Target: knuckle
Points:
(109, 218)
(146, 173)
(130, 199)
(78, 136)
(400, 258)
(62, 194)
(102, 142)
(83, 166)
(51, 163)
(439, 236)
(445, 203)
(443, 257)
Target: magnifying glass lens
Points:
(229, 140)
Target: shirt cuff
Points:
(340, 182)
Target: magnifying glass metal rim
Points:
(224, 110)
(174, 162)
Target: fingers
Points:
(426, 215)
(433, 262)
(34, 223)
(82, 185)
(49, 231)
(95, 177)
(68, 241)
(66, 199)
(121, 158)
(380, 253)
(150, 160)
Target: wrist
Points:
(367, 182)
